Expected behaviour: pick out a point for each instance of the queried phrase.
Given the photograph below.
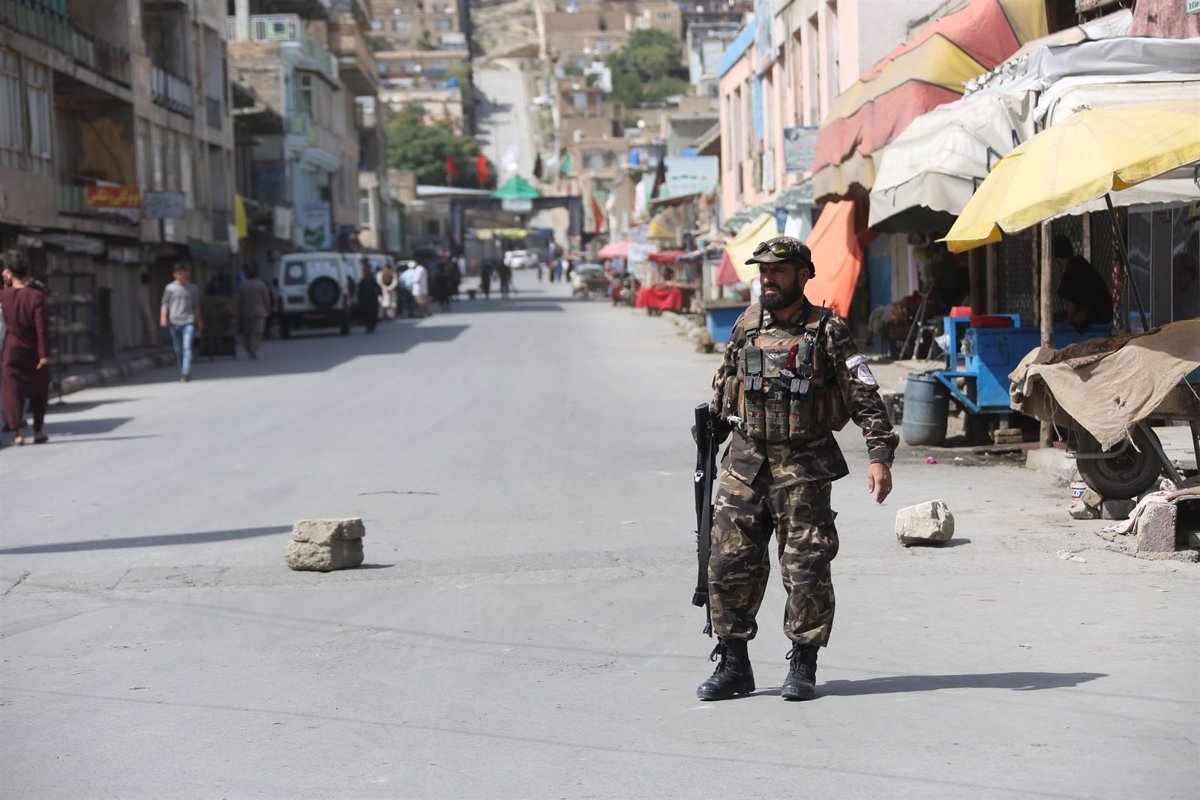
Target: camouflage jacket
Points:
(854, 394)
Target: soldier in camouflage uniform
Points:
(791, 376)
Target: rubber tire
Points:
(1123, 477)
(324, 293)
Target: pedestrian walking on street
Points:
(253, 308)
(505, 279)
(485, 278)
(26, 350)
(180, 314)
(367, 295)
(443, 284)
(420, 289)
(389, 283)
(790, 376)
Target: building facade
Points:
(115, 156)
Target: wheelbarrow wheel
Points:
(1124, 476)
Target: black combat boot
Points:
(801, 680)
(733, 675)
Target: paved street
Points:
(505, 122)
(521, 627)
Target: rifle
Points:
(706, 466)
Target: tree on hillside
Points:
(427, 150)
(648, 69)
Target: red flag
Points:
(598, 214)
(451, 168)
(481, 169)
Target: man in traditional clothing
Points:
(26, 351)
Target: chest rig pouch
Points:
(781, 378)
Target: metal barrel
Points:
(926, 406)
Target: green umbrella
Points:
(516, 188)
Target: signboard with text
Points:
(113, 197)
(163, 205)
(314, 226)
(800, 148)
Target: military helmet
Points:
(783, 248)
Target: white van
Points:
(315, 291)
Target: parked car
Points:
(520, 259)
(587, 278)
(315, 291)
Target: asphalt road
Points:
(521, 628)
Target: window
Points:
(157, 148)
(812, 82)
(579, 99)
(187, 177)
(441, 25)
(832, 56)
(364, 208)
(305, 99)
(37, 81)
(432, 228)
(12, 129)
(145, 164)
(401, 25)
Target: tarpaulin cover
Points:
(667, 298)
(619, 249)
(667, 256)
(921, 74)
(837, 256)
(741, 247)
(1106, 386)
(726, 274)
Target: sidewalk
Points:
(116, 369)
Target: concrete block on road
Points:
(324, 531)
(1155, 528)
(925, 523)
(338, 554)
(324, 545)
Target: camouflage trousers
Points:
(739, 565)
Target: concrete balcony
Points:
(72, 202)
(55, 29)
(356, 63)
(171, 91)
(288, 32)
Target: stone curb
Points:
(113, 374)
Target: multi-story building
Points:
(421, 24)
(115, 159)
(578, 32)
(303, 160)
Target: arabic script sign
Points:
(114, 197)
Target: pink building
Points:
(786, 73)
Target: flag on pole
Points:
(481, 170)
(565, 168)
(660, 178)
(598, 214)
(451, 169)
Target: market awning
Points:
(741, 247)
(667, 256)
(666, 224)
(929, 172)
(837, 257)
(921, 74)
(516, 188)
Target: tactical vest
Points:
(781, 383)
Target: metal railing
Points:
(285, 28)
(53, 27)
(171, 91)
(72, 201)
